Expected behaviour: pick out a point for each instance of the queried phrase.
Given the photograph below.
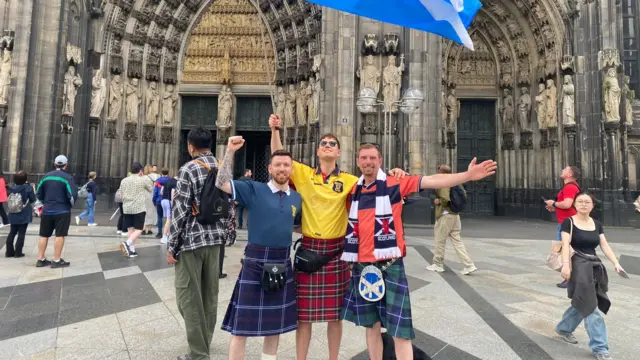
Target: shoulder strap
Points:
(571, 231)
(203, 164)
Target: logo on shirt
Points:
(338, 186)
(293, 210)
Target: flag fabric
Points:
(447, 18)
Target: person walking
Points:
(58, 193)
(231, 236)
(448, 226)
(21, 219)
(194, 248)
(3, 199)
(135, 189)
(157, 201)
(239, 208)
(586, 276)
(258, 308)
(376, 247)
(167, 193)
(91, 202)
(563, 204)
(151, 211)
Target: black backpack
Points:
(214, 203)
(458, 198)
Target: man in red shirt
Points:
(378, 294)
(563, 204)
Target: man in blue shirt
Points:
(58, 192)
(255, 308)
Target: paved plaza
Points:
(105, 306)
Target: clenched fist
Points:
(274, 122)
(235, 143)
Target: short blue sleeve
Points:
(243, 192)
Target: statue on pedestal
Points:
(169, 101)
(133, 96)
(453, 110)
(71, 84)
(541, 107)
(281, 99)
(369, 74)
(629, 96)
(5, 76)
(290, 107)
(568, 102)
(115, 98)
(611, 93)
(391, 82)
(153, 104)
(550, 105)
(301, 104)
(507, 113)
(98, 94)
(225, 102)
(524, 110)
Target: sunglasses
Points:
(331, 143)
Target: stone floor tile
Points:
(164, 287)
(156, 355)
(104, 331)
(162, 334)
(142, 315)
(29, 346)
(131, 270)
(63, 353)
(160, 274)
(34, 274)
(484, 346)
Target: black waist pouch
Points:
(310, 261)
(274, 277)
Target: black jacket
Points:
(28, 198)
(588, 284)
(58, 192)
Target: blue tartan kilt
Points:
(252, 312)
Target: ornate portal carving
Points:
(475, 69)
(392, 81)
(611, 94)
(230, 39)
(369, 74)
(524, 110)
(133, 96)
(225, 102)
(506, 113)
(568, 102)
(152, 104)
(115, 98)
(550, 99)
(98, 94)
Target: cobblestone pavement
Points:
(107, 307)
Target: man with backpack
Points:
(449, 203)
(197, 233)
(563, 204)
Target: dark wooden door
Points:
(477, 138)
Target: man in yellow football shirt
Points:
(324, 190)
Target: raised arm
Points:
(225, 172)
(274, 124)
(475, 172)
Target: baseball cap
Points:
(136, 167)
(61, 160)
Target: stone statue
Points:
(133, 96)
(311, 106)
(611, 93)
(153, 103)
(281, 98)
(507, 112)
(541, 107)
(98, 94)
(71, 84)
(290, 107)
(369, 74)
(443, 108)
(524, 109)
(453, 110)
(225, 103)
(629, 96)
(551, 97)
(5, 76)
(115, 98)
(314, 116)
(169, 101)
(568, 102)
(301, 104)
(391, 82)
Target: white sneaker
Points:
(119, 232)
(94, 224)
(436, 268)
(163, 240)
(125, 234)
(468, 270)
(77, 220)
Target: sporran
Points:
(371, 287)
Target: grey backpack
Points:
(15, 204)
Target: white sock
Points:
(268, 357)
(132, 248)
(129, 242)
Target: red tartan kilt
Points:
(321, 294)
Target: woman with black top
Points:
(20, 220)
(587, 276)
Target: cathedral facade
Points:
(549, 84)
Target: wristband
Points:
(554, 204)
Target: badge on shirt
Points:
(293, 211)
(338, 186)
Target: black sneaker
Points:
(159, 236)
(19, 255)
(133, 254)
(125, 249)
(563, 285)
(222, 276)
(43, 263)
(59, 264)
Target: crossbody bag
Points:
(309, 261)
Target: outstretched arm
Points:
(474, 173)
(225, 172)
(274, 124)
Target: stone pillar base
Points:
(166, 135)
(149, 133)
(508, 141)
(451, 140)
(130, 131)
(94, 121)
(4, 111)
(526, 140)
(67, 124)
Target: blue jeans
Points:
(559, 234)
(594, 323)
(90, 212)
(160, 217)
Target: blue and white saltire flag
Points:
(447, 18)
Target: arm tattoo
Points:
(225, 172)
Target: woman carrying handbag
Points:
(587, 277)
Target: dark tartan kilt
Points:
(254, 312)
(393, 311)
(321, 294)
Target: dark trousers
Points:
(160, 217)
(3, 214)
(221, 258)
(121, 220)
(20, 230)
(239, 212)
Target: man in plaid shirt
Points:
(195, 249)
